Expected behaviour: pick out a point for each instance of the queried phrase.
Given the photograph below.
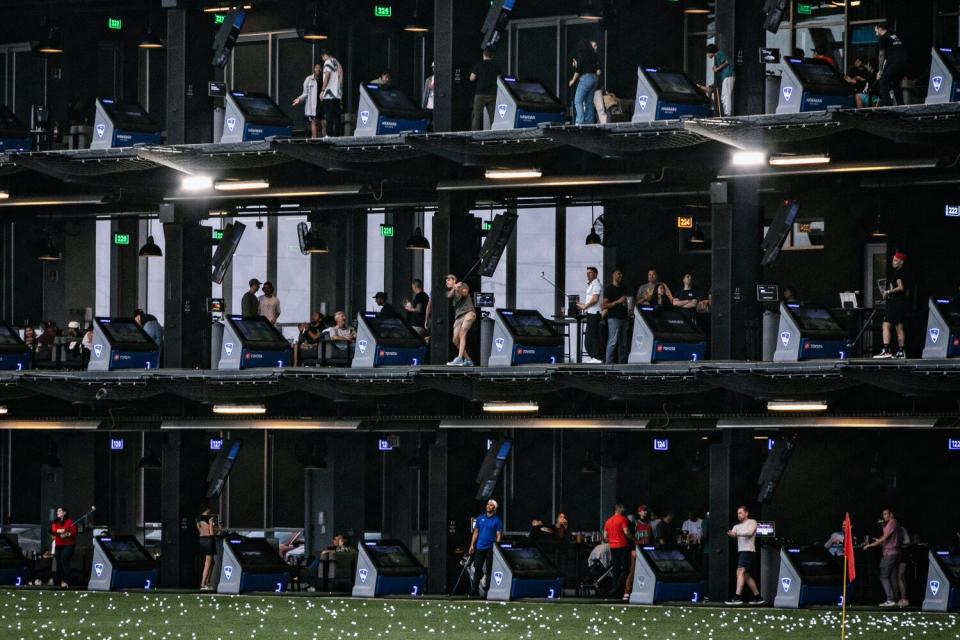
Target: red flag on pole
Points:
(848, 548)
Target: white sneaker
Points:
(883, 355)
(903, 602)
(589, 360)
(456, 362)
(888, 603)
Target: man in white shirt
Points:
(270, 303)
(311, 86)
(590, 307)
(692, 528)
(331, 94)
(746, 534)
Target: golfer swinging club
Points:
(487, 529)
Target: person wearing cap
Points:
(387, 310)
(897, 297)
(487, 529)
(249, 304)
(74, 347)
(464, 317)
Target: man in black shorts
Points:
(745, 531)
(898, 302)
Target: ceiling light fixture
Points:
(797, 406)
(794, 161)
(501, 406)
(3, 410)
(415, 26)
(51, 252)
(512, 174)
(877, 230)
(239, 409)
(696, 237)
(314, 31)
(241, 185)
(4, 195)
(593, 238)
(749, 158)
(196, 183)
(151, 249)
(417, 241)
(591, 10)
(224, 8)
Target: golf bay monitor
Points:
(944, 83)
(385, 341)
(14, 566)
(664, 334)
(251, 564)
(120, 343)
(808, 575)
(385, 110)
(14, 135)
(523, 570)
(523, 336)
(386, 567)
(810, 84)
(495, 23)
(943, 329)
(809, 332)
(665, 575)
(942, 591)
(122, 124)
(523, 105)
(253, 116)
(252, 343)
(15, 355)
(664, 95)
(121, 562)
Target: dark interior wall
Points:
(819, 275)
(832, 472)
(76, 453)
(246, 483)
(640, 236)
(915, 222)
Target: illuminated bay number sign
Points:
(661, 444)
(121, 239)
(382, 11)
(684, 222)
(115, 23)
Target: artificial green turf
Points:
(30, 615)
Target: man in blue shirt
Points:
(487, 529)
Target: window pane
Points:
(375, 259)
(535, 231)
(250, 261)
(293, 272)
(102, 300)
(216, 290)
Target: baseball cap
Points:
(379, 294)
(73, 324)
(900, 255)
(254, 281)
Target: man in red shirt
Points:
(616, 531)
(64, 533)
